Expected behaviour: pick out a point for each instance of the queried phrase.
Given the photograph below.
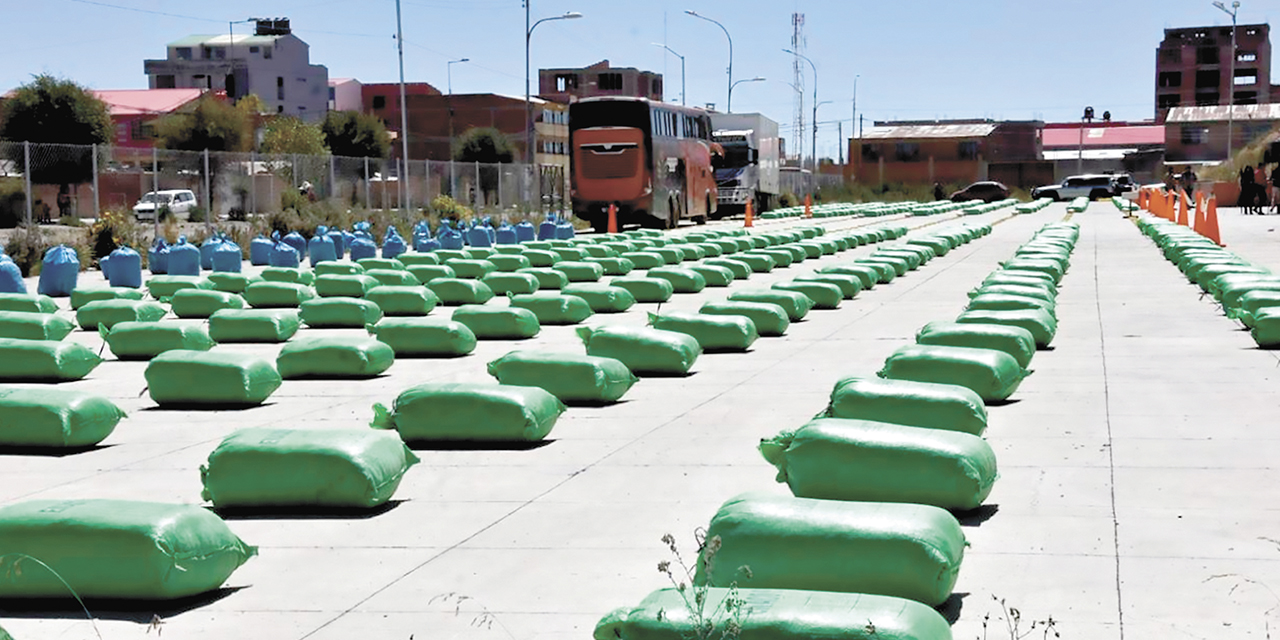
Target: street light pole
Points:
(449, 72)
(1231, 81)
(813, 146)
(672, 52)
(404, 115)
(730, 38)
(528, 106)
(1088, 115)
(729, 106)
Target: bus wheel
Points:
(706, 215)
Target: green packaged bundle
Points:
(80, 296)
(553, 308)
(110, 312)
(1008, 302)
(339, 313)
(334, 357)
(916, 404)
(454, 292)
(1266, 328)
(198, 303)
(848, 285)
(601, 298)
(55, 418)
(780, 257)
(471, 269)
(117, 549)
(643, 350)
(682, 279)
(868, 276)
(294, 275)
(425, 337)
(548, 278)
(1015, 341)
(354, 285)
(864, 461)
(146, 340)
(821, 294)
(796, 304)
(541, 257)
(885, 273)
(45, 360)
(577, 271)
(381, 263)
(338, 268)
(993, 375)
(713, 275)
(570, 377)
(775, 614)
(210, 379)
(770, 319)
(30, 302)
(1049, 267)
(613, 266)
(301, 468)
(280, 295)
(393, 277)
(1039, 322)
(1043, 292)
(508, 263)
(1251, 304)
(644, 259)
(403, 300)
(901, 550)
(31, 325)
(645, 289)
(739, 269)
(427, 272)
(713, 332)
(504, 283)
(165, 286)
(468, 412)
(498, 323)
(253, 325)
(228, 282)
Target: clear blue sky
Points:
(917, 59)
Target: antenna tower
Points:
(797, 67)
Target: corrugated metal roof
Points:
(917, 131)
(1104, 137)
(1243, 112)
(223, 39)
(125, 102)
(1089, 154)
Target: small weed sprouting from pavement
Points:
(485, 619)
(1012, 619)
(724, 622)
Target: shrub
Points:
(293, 199)
(165, 213)
(70, 221)
(284, 221)
(788, 199)
(28, 245)
(197, 214)
(237, 214)
(114, 229)
(13, 202)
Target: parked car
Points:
(986, 191)
(179, 201)
(1122, 184)
(1093, 186)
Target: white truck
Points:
(752, 158)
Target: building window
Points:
(1207, 99)
(657, 87)
(182, 53)
(135, 130)
(566, 82)
(253, 49)
(379, 102)
(1207, 79)
(1254, 130)
(1170, 79)
(165, 82)
(1207, 55)
(870, 152)
(266, 52)
(206, 53)
(279, 88)
(1168, 101)
(609, 82)
(907, 151)
(1246, 56)
(1246, 97)
(1172, 55)
(220, 53)
(1195, 134)
(968, 150)
(1246, 77)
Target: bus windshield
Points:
(621, 113)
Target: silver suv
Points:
(1092, 186)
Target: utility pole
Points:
(404, 116)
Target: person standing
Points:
(1188, 179)
(1247, 184)
(1275, 189)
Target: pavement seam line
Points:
(1111, 452)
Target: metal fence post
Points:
(96, 202)
(26, 177)
(253, 181)
(475, 188)
(208, 196)
(333, 178)
(368, 204)
(408, 186)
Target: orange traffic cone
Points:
(1210, 230)
(808, 206)
(1200, 207)
(1170, 206)
(613, 218)
(1182, 211)
(749, 220)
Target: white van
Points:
(179, 201)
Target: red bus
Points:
(651, 159)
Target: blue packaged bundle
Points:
(126, 268)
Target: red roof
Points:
(1103, 137)
(130, 102)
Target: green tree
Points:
(489, 147)
(286, 134)
(51, 110)
(351, 134)
(212, 124)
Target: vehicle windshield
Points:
(736, 154)
(161, 198)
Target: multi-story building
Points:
(1198, 135)
(272, 63)
(1194, 68)
(345, 94)
(949, 151)
(599, 79)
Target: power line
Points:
(154, 13)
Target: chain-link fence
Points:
(805, 183)
(43, 182)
